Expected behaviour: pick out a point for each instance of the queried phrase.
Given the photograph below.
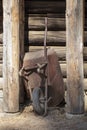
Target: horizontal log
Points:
(1, 38)
(1, 83)
(44, 6)
(1, 96)
(47, 7)
(36, 4)
(1, 48)
(37, 23)
(1, 70)
(1, 62)
(1, 56)
(49, 15)
(53, 37)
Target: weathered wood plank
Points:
(11, 53)
(74, 43)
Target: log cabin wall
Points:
(35, 12)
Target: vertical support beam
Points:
(12, 40)
(74, 40)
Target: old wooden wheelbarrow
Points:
(43, 79)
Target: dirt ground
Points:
(55, 120)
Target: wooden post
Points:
(12, 44)
(74, 41)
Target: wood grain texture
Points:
(74, 40)
(11, 54)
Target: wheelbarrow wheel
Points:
(38, 105)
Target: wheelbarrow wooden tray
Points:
(55, 80)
